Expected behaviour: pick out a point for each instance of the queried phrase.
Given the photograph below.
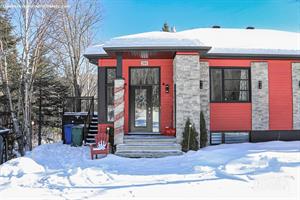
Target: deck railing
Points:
(80, 105)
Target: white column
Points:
(119, 111)
(296, 95)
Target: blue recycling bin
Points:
(68, 133)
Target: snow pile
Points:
(221, 40)
(238, 171)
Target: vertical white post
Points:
(119, 111)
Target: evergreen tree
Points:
(190, 137)
(203, 131)
(9, 81)
(9, 45)
(165, 27)
(49, 92)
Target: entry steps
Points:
(93, 130)
(148, 146)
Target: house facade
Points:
(245, 81)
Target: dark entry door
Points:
(141, 108)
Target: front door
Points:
(141, 113)
(144, 99)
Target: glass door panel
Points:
(140, 111)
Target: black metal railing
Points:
(83, 106)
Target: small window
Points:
(228, 137)
(216, 138)
(230, 85)
(110, 77)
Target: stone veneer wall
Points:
(118, 111)
(204, 94)
(260, 97)
(186, 78)
(296, 95)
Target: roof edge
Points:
(166, 48)
(236, 55)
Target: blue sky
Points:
(122, 17)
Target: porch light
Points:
(167, 88)
(259, 84)
(201, 85)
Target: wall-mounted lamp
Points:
(167, 88)
(259, 84)
(201, 84)
(299, 84)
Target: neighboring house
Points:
(246, 82)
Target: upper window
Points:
(229, 85)
(110, 77)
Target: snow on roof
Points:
(152, 39)
(95, 50)
(221, 41)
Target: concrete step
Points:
(148, 154)
(149, 139)
(89, 139)
(152, 147)
(89, 143)
(91, 135)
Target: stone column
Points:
(118, 111)
(187, 78)
(296, 95)
(204, 95)
(260, 97)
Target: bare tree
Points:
(7, 91)
(33, 22)
(74, 35)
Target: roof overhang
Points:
(145, 52)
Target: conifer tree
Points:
(9, 74)
(165, 27)
(190, 137)
(203, 131)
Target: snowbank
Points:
(238, 171)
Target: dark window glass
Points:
(230, 85)
(110, 77)
(216, 84)
(236, 73)
(144, 76)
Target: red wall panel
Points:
(166, 77)
(280, 95)
(230, 116)
(228, 62)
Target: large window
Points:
(229, 85)
(110, 77)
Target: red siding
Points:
(228, 62)
(230, 116)
(107, 62)
(280, 95)
(166, 77)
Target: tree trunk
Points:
(77, 94)
(4, 77)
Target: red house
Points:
(245, 81)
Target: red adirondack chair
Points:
(101, 146)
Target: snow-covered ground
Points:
(234, 172)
